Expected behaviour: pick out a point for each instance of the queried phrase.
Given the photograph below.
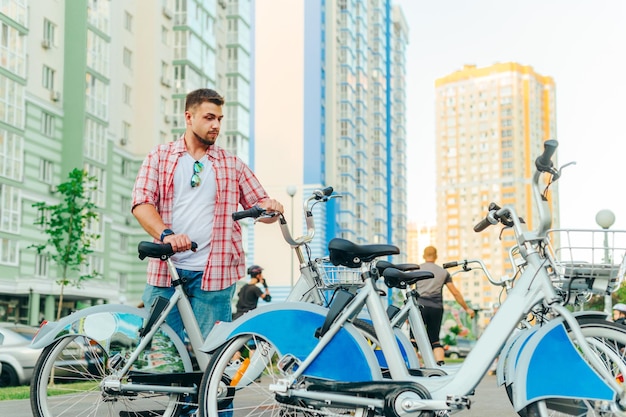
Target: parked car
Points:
(17, 358)
(460, 350)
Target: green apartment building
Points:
(95, 84)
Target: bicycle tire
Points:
(611, 336)
(67, 381)
(230, 387)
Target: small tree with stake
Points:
(65, 223)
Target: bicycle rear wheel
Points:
(68, 381)
(608, 340)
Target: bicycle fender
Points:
(290, 327)
(406, 348)
(550, 366)
(507, 361)
(114, 326)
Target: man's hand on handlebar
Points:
(271, 206)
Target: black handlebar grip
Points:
(253, 212)
(323, 193)
(450, 264)
(544, 162)
(482, 225)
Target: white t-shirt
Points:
(198, 206)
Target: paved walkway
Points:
(490, 400)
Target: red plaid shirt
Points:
(236, 184)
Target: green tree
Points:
(69, 242)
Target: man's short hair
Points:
(201, 95)
(430, 252)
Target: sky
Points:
(581, 44)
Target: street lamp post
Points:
(605, 219)
(291, 190)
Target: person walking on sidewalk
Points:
(431, 299)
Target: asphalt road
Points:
(489, 401)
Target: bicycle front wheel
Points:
(70, 380)
(237, 383)
(607, 339)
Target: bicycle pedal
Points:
(459, 402)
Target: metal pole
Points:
(608, 301)
(605, 219)
(291, 191)
(292, 231)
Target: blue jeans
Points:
(208, 306)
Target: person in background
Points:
(619, 313)
(431, 299)
(186, 191)
(250, 293)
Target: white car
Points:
(17, 358)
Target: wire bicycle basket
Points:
(587, 260)
(334, 276)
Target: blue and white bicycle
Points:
(312, 361)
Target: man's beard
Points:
(204, 141)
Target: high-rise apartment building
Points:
(95, 84)
(490, 126)
(335, 83)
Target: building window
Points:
(165, 34)
(11, 155)
(98, 194)
(49, 33)
(94, 264)
(43, 218)
(127, 58)
(125, 203)
(47, 124)
(12, 48)
(123, 243)
(128, 21)
(8, 252)
(11, 102)
(126, 92)
(97, 97)
(97, 53)
(123, 281)
(41, 265)
(45, 171)
(10, 203)
(47, 80)
(95, 141)
(127, 169)
(125, 133)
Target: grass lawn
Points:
(23, 392)
(15, 393)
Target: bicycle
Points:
(121, 360)
(307, 371)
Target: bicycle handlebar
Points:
(507, 215)
(544, 161)
(253, 212)
(317, 196)
(465, 267)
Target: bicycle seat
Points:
(349, 254)
(382, 265)
(394, 278)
